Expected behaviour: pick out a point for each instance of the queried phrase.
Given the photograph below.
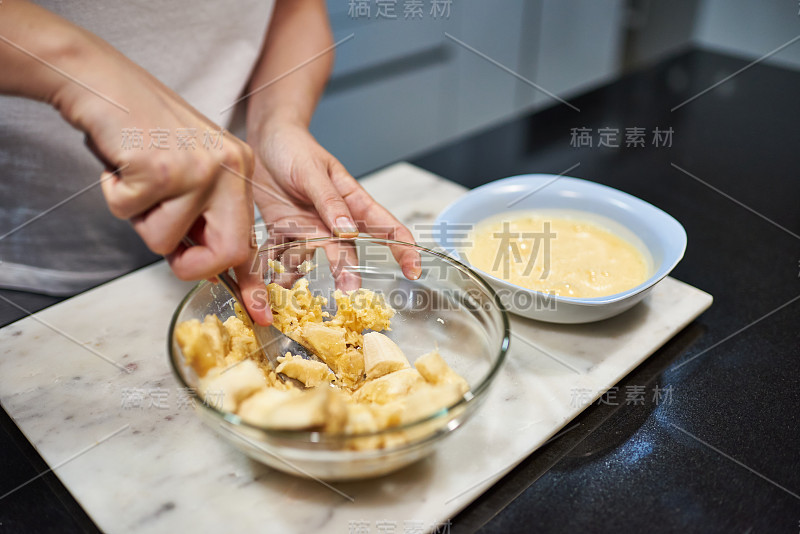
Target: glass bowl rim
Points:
(312, 436)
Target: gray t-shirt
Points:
(57, 235)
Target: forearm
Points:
(299, 30)
(166, 194)
(39, 51)
(303, 190)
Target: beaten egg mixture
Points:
(561, 255)
(366, 383)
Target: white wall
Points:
(746, 28)
(751, 28)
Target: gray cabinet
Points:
(403, 85)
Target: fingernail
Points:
(344, 225)
(413, 272)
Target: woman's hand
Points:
(166, 191)
(302, 191)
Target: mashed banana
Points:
(366, 383)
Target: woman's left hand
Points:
(303, 191)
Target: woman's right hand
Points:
(166, 193)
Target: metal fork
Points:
(271, 341)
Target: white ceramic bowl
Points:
(660, 237)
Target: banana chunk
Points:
(327, 342)
(428, 400)
(205, 344)
(389, 387)
(292, 308)
(360, 419)
(259, 407)
(306, 267)
(436, 371)
(350, 368)
(310, 373)
(382, 356)
(243, 342)
(226, 388)
(295, 409)
(361, 310)
(276, 266)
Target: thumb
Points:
(254, 292)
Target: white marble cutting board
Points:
(88, 383)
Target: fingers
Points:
(376, 220)
(327, 200)
(191, 262)
(343, 260)
(142, 183)
(211, 256)
(342, 205)
(254, 292)
(248, 275)
(229, 231)
(342, 255)
(408, 258)
(163, 227)
(290, 258)
(223, 232)
(167, 185)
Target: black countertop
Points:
(722, 451)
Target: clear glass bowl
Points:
(449, 306)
